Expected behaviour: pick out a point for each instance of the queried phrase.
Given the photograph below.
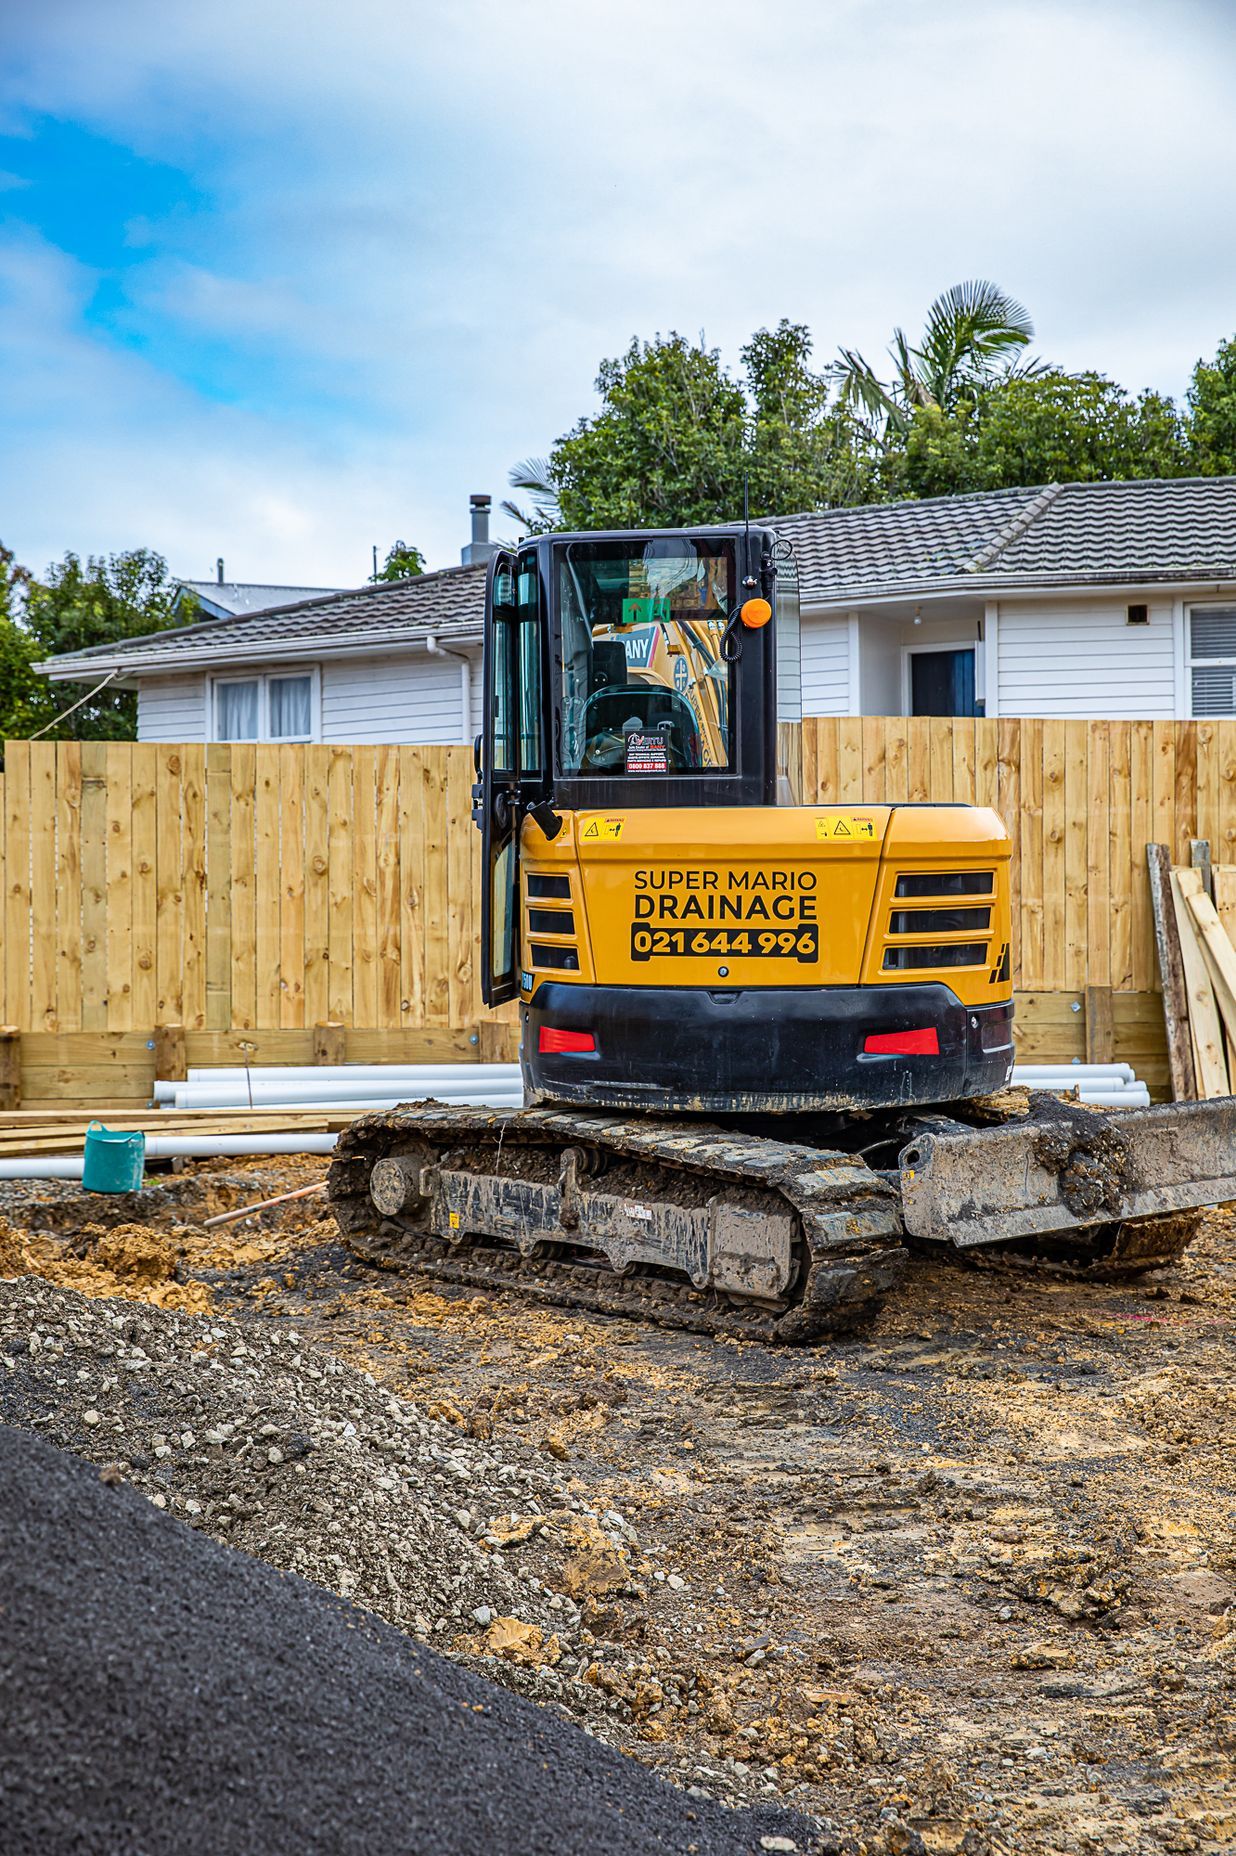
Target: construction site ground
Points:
(961, 1583)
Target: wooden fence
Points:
(259, 890)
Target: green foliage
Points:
(21, 692)
(971, 338)
(665, 449)
(676, 436)
(127, 595)
(1050, 427)
(403, 562)
(541, 514)
(1212, 414)
(1075, 428)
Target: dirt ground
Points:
(962, 1584)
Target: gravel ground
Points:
(964, 1584)
(160, 1693)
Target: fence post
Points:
(170, 1062)
(10, 1067)
(330, 1043)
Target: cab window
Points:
(647, 689)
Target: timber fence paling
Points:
(267, 889)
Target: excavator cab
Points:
(619, 675)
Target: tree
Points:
(21, 692)
(534, 477)
(665, 449)
(972, 336)
(1212, 414)
(403, 562)
(127, 595)
(1079, 428)
(1049, 427)
(804, 450)
(677, 436)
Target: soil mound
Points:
(161, 1693)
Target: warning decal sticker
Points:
(602, 828)
(845, 825)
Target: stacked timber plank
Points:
(1194, 909)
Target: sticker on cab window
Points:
(647, 754)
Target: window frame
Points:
(1192, 663)
(264, 679)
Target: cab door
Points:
(499, 787)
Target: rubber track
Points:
(848, 1214)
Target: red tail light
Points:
(551, 1039)
(903, 1043)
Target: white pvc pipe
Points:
(354, 1081)
(1037, 1070)
(176, 1147)
(311, 1072)
(1135, 1095)
(377, 1095)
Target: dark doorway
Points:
(942, 682)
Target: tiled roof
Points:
(448, 604)
(1076, 534)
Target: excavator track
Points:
(697, 1228)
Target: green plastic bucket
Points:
(114, 1162)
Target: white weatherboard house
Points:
(1103, 599)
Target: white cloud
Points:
(429, 224)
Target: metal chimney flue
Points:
(480, 548)
(219, 570)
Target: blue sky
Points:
(280, 281)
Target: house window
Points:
(267, 708)
(1212, 660)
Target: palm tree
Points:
(532, 476)
(972, 335)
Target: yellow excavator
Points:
(763, 1042)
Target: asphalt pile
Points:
(159, 1692)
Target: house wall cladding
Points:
(172, 708)
(405, 697)
(826, 666)
(1083, 658)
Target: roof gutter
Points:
(465, 679)
(983, 589)
(131, 663)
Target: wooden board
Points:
(1205, 1024)
(317, 884)
(243, 891)
(193, 828)
(218, 886)
(1171, 970)
(144, 852)
(1218, 951)
(18, 925)
(119, 803)
(291, 889)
